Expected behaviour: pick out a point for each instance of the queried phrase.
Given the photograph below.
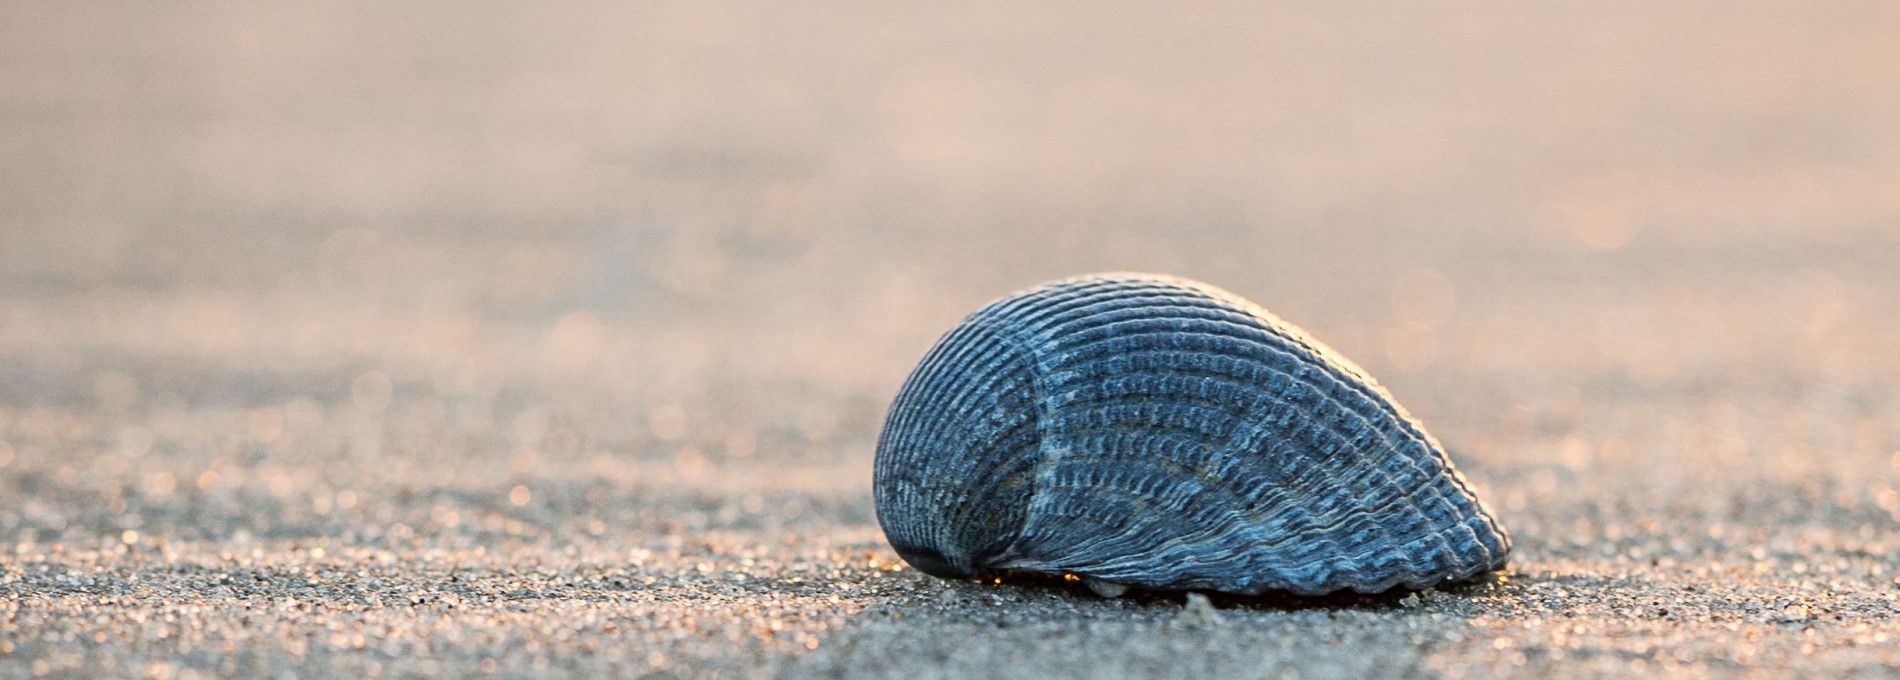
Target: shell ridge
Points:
(1298, 371)
(924, 426)
(1061, 300)
(1058, 299)
(1208, 486)
(1010, 356)
(1232, 523)
(1118, 333)
(1182, 436)
(1328, 449)
(1050, 455)
(1000, 320)
(1045, 457)
(1158, 568)
(1377, 399)
(1207, 298)
(1292, 340)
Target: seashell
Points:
(1153, 432)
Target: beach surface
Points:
(346, 341)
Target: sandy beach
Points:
(452, 340)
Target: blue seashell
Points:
(1155, 432)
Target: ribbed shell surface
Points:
(1161, 433)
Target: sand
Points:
(359, 342)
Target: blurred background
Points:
(611, 278)
(287, 240)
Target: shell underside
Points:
(1161, 433)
